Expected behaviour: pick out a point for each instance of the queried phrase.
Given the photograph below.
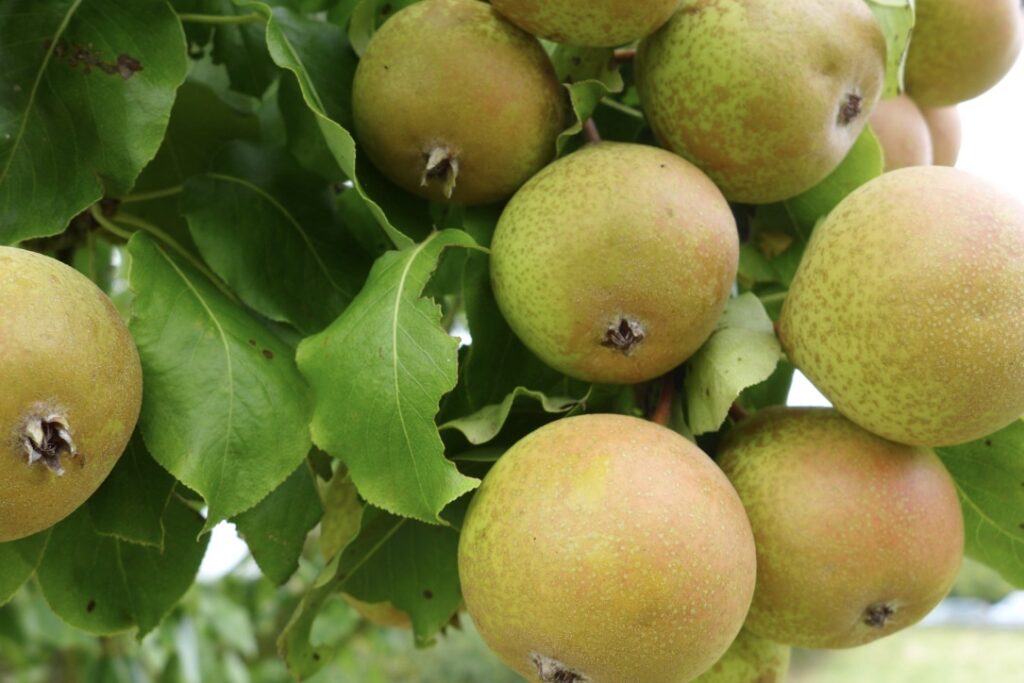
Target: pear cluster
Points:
(605, 548)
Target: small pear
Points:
(857, 537)
(454, 103)
(946, 133)
(613, 264)
(903, 133)
(606, 548)
(907, 310)
(961, 48)
(589, 23)
(766, 97)
(750, 659)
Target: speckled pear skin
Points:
(455, 74)
(608, 546)
(857, 537)
(961, 48)
(903, 133)
(588, 23)
(767, 97)
(610, 233)
(750, 659)
(907, 310)
(947, 134)
(64, 351)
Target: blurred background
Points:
(225, 628)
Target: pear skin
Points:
(453, 103)
(946, 133)
(614, 263)
(591, 23)
(766, 97)
(857, 537)
(606, 548)
(961, 48)
(750, 659)
(906, 310)
(903, 133)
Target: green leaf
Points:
(343, 514)
(85, 96)
(269, 230)
(863, 162)
(413, 566)
(486, 423)
(291, 50)
(368, 16)
(590, 74)
(131, 502)
(242, 49)
(742, 352)
(989, 476)
(18, 561)
(897, 20)
(224, 408)
(102, 585)
(275, 530)
(378, 374)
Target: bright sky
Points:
(993, 148)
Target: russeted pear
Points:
(907, 310)
(750, 659)
(767, 97)
(961, 48)
(70, 390)
(946, 132)
(903, 133)
(454, 103)
(857, 537)
(605, 548)
(591, 23)
(614, 263)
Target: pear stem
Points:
(663, 411)
(590, 131)
(625, 55)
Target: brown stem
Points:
(590, 131)
(738, 412)
(663, 411)
(625, 55)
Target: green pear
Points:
(767, 97)
(452, 102)
(903, 133)
(70, 390)
(606, 548)
(961, 48)
(591, 23)
(750, 659)
(857, 537)
(907, 310)
(613, 264)
(946, 133)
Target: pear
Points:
(961, 48)
(906, 310)
(903, 133)
(857, 537)
(614, 263)
(750, 659)
(606, 548)
(453, 103)
(946, 133)
(380, 613)
(766, 97)
(590, 23)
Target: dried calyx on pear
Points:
(46, 439)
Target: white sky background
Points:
(993, 148)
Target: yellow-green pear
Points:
(613, 264)
(961, 48)
(750, 659)
(454, 103)
(766, 97)
(907, 310)
(380, 613)
(946, 132)
(857, 537)
(903, 133)
(591, 23)
(606, 548)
